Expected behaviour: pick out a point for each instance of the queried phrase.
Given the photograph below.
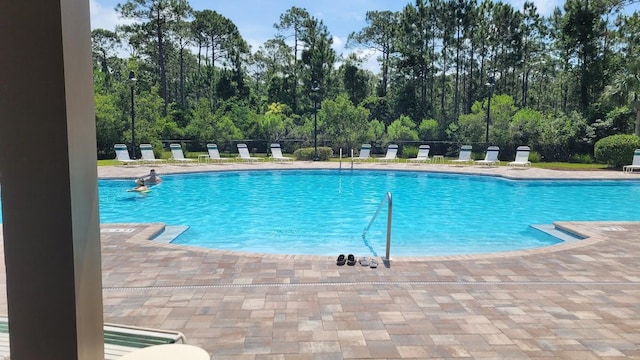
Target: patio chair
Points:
(122, 154)
(490, 158)
(214, 154)
(365, 153)
(178, 155)
(522, 158)
(147, 155)
(243, 151)
(635, 164)
(276, 153)
(423, 154)
(392, 151)
(118, 339)
(464, 157)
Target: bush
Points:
(616, 150)
(534, 157)
(324, 153)
(581, 159)
(409, 152)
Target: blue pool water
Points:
(325, 212)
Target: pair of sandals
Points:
(372, 263)
(351, 260)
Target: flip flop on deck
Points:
(364, 261)
(341, 260)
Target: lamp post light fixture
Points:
(132, 83)
(315, 88)
(490, 85)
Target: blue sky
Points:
(255, 18)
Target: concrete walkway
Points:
(578, 300)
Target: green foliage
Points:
(470, 128)
(198, 65)
(525, 126)
(110, 125)
(620, 120)
(150, 124)
(534, 157)
(402, 129)
(428, 129)
(503, 110)
(344, 123)
(354, 81)
(379, 109)
(375, 132)
(562, 134)
(275, 123)
(324, 153)
(581, 159)
(616, 150)
(409, 152)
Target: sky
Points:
(255, 18)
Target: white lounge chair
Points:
(423, 154)
(243, 150)
(276, 152)
(147, 155)
(391, 155)
(522, 157)
(118, 339)
(464, 157)
(490, 158)
(122, 154)
(635, 164)
(214, 154)
(365, 153)
(178, 155)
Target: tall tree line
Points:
(199, 80)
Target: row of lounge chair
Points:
(177, 155)
(464, 157)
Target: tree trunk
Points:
(456, 98)
(163, 73)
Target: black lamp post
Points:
(315, 89)
(490, 85)
(132, 83)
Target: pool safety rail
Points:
(389, 200)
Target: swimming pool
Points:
(324, 212)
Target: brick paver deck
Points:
(578, 300)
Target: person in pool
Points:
(140, 186)
(152, 178)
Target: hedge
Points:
(616, 150)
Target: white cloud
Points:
(338, 43)
(103, 17)
(545, 7)
(372, 64)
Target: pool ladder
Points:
(389, 200)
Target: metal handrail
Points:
(389, 212)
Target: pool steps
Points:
(170, 233)
(557, 232)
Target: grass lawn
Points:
(569, 166)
